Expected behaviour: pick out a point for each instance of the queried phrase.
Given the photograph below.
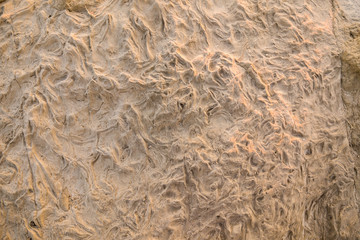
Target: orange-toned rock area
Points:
(180, 119)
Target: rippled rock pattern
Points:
(174, 119)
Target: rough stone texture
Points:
(143, 119)
(347, 22)
(351, 84)
(351, 9)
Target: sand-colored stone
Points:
(158, 119)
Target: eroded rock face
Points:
(348, 35)
(75, 5)
(351, 84)
(177, 120)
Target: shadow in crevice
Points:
(350, 83)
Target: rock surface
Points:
(158, 119)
